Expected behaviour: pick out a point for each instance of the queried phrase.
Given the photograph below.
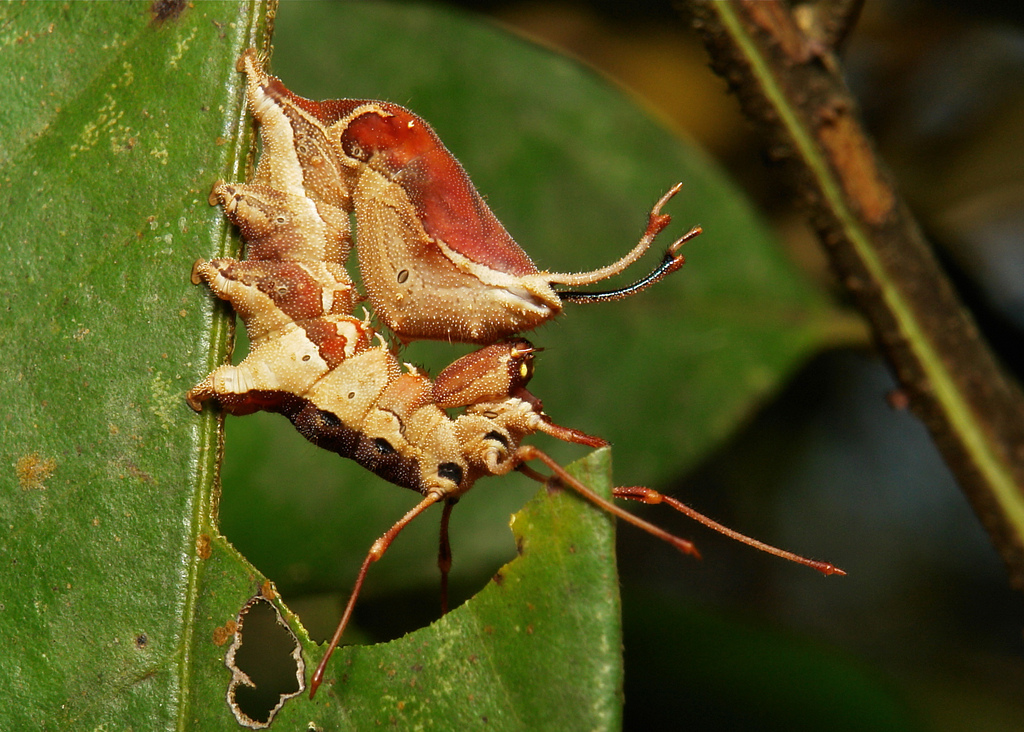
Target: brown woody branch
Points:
(780, 62)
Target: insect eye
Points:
(383, 446)
(521, 362)
(450, 471)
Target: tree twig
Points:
(788, 80)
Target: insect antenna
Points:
(647, 495)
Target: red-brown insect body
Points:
(318, 365)
(435, 261)
(403, 148)
(436, 264)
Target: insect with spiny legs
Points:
(436, 264)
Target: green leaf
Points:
(113, 130)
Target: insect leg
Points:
(376, 552)
(444, 552)
(529, 452)
(647, 495)
(568, 434)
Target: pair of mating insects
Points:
(436, 264)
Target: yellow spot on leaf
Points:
(33, 470)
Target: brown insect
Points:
(436, 264)
(435, 261)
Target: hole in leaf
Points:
(266, 664)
